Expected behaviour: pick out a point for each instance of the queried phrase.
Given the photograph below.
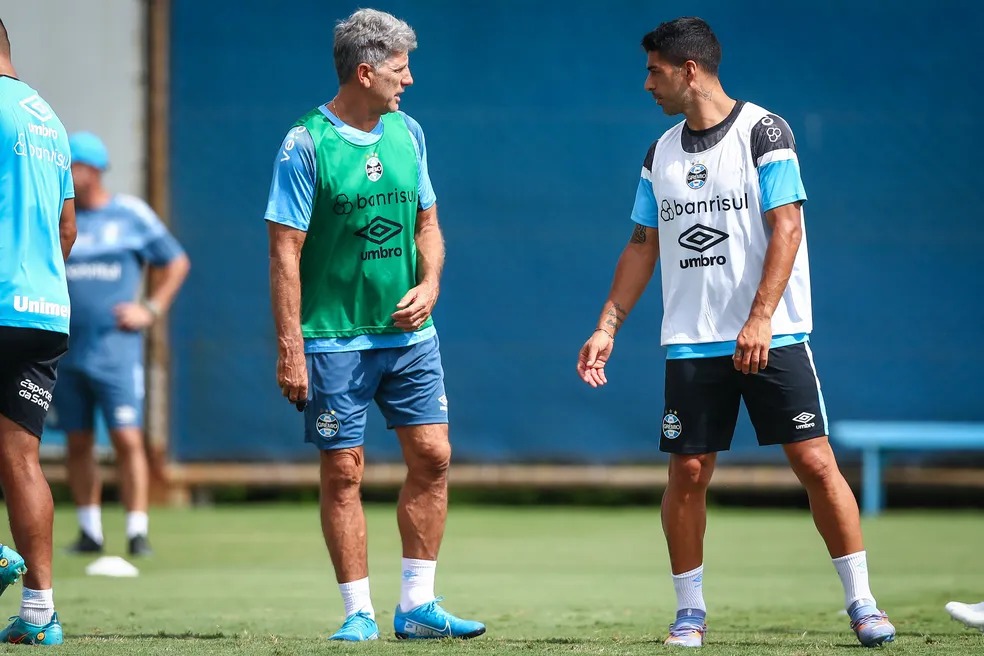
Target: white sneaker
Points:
(971, 615)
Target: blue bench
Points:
(876, 438)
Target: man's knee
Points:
(19, 454)
(80, 444)
(430, 460)
(691, 472)
(17, 444)
(341, 472)
(813, 461)
(127, 442)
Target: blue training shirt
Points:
(105, 269)
(291, 201)
(35, 181)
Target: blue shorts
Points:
(407, 384)
(116, 392)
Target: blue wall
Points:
(537, 124)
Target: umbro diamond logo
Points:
(804, 420)
(699, 238)
(379, 230)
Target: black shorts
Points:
(28, 369)
(783, 401)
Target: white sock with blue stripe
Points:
(689, 588)
(417, 584)
(853, 572)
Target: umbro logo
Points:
(37, 108)
(804, 420)
(699, 238)
(379, 230)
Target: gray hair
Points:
(369, 37)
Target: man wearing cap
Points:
(103, 371)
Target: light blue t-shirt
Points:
(291, 201)
(105, 269)
(35, 181)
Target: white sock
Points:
(136, 524)
(355, 594)
(90, 521)
(417, 585)
(37, 606)
(689, 588)
(853, 572)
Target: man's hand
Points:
(132, 316)
(415, 306)
(292, 376)
(752, 351)
(593, 356)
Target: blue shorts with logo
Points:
(407, 384)
(116, 391)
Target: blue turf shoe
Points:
(11, 567)
(356, 628)
(870, 624)
(431, 621)
(24, 633)
(688, 629)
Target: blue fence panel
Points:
(537, 124)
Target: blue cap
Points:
(89, 149)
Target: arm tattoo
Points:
(638, 235)
(615, 316)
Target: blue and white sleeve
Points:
(774, 153)
(154, 244)
(291, 196)
(645, 210)
(425, 191)
(162, 249)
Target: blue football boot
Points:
(24, 633)
(356, 628)
(431, 621)
(11, 567)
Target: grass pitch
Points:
(257, 580)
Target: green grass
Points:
(257, 580)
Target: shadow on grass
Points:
(164, 635)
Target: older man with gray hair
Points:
(355, 264)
